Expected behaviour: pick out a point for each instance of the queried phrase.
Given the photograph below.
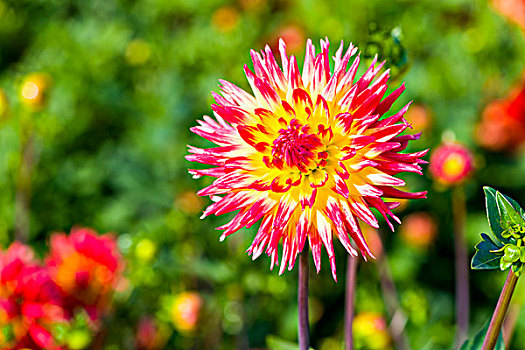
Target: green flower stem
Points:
(461, 264)
(351, 274)
(23, 177)
(302, 299)
(499, 313)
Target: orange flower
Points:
(502, 125)
(419, 118)
(418, 230)
(225, 18)
(87, 267)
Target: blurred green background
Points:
(126, 79)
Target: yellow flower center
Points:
(454, 165)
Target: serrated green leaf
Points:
(509, 213)
(276, 343)
(493, 215)
(476, 342)
(485, 259)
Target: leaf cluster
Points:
(505, 248)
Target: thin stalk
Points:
(23, 185)
(461, 265)
(395, 313)
(509, 324)
(351, 274)
(302, 300)
(499, 313)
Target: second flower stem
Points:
(351, 274)
(302, 300)
(461, 264)
(499, 313)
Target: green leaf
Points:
(508, 212)
(276, 343)
(476, 342)
(493, 215)
(485, 259)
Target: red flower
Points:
(502, 124)
(451, 163)
(29, 301)
(87, 268)
(309, 154)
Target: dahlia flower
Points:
(451, 163)
(87, 267)
(29, 301)
(307, 154)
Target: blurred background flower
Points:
(451, 164)
(502, 125)
(87, 267)
(30, 304)
(419, 230)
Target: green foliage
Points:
(484, 258)
(506, 219)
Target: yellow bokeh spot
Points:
(185, 311)
(33, 89)
(145, 250)
(138, 52)
(30, 90)
(454, 165)
(370, 331)
(225, 19)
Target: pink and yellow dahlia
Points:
(307, 154)
(30, 303)
(451, 164)
(87, 267)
